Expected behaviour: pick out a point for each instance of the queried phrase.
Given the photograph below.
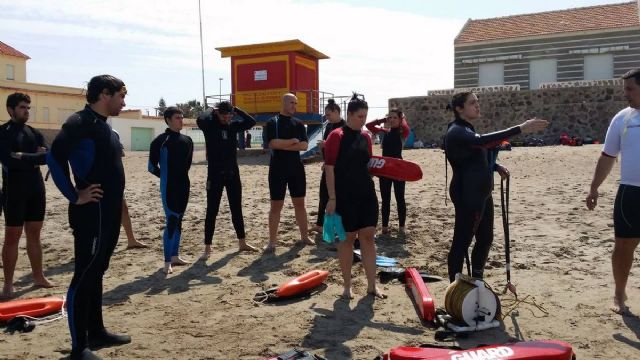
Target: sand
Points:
(560, 250)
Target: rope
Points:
(50, 318)
(513, 304)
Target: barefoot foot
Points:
(177, 261)
(167, 268)
(346, 294)
(135, 244)
(243, 246)
(377, 293)
(619, 306)
(43, 282)
(7, 292)
(269, 248)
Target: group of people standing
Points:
(88, 145)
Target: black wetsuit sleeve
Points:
(190, 153)
(154, 157)
(302, 132)
(246, 123)
(461, 136)
(5, 151)
(204, 121)
(36, 158)
(269, 132)
(58, 157)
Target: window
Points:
(45, 114)
(541, 71)
(598, 67)
(11, 72)
(491, 74)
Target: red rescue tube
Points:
(526, 350)
(395, 169)
(424, 301)
(30, 307)
(302, 283)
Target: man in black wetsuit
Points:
(89, 145)
(22, 151)
(472, 158)
(286, 136)
(220, 135)
(170, 156)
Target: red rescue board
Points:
(30, 307)
(395, 169)
(526, 350)
(424, 301)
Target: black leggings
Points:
(323, 199)
(96, 228)
(472, 218)
(385, 193)
(215, 184)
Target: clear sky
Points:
(381, 48)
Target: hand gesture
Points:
(592, 199)
(331, 206)
(503, 171)
(533, 125)
(42, 149)
(92, 193)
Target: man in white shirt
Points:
(623, 137)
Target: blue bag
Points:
(333, 228)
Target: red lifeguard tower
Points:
(262, 73)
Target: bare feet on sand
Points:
(619, 306)
(307, 241)
(167, 268)
(377, 293)
(385, 230)
(135, 244)
(346, 294)
(43, 282)
(243, 246)
(177, 261)
(269, 248)
(207, 252)
(7, 292)
(316, 229)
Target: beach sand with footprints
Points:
(560, 254)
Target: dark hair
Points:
(356, 104)
(170, 111)
(398, 112)
(332, 106)
(224, 107)
(635, 74)
(16, 98)
(458, 100)
(99, 83)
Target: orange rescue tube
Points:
(302, 283)
(30, 307)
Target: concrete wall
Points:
(579, 111)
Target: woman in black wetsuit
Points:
(395, 132)
(472, 157)
(352, 194)
(334, 121)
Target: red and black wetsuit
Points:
(472, 158)
(349, 152)
(392, 144)
(324, 194)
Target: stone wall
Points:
(578, 111)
